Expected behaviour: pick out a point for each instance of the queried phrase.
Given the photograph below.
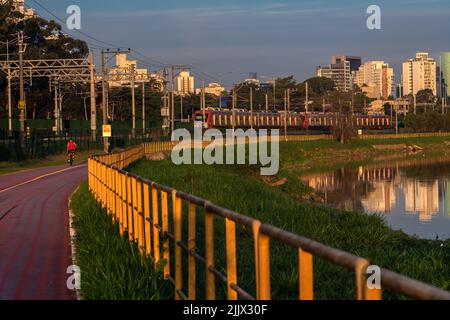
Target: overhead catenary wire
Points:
(145, 60)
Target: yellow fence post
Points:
(255, 228)
(147, 219)
(140, 217)
(134, 209)
(264, 268)
(306, 275)
(360, 268)
(177, 206)
(191, 248)
(231, 258)
(165, 229)
(209, 256)
(129, 210)
(155, 222)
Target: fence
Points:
(38, 143)
(140, 207)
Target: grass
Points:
(240, 189)
(53, 160)
(111, 267)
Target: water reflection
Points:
(413, 195)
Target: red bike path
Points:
(35, 249)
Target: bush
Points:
(427, 122)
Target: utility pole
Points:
(267, 103)
(323, 105)
(165, 107)
(92, 89)
(203, 103)
(104, 101)
(9, 91)
(60, 100)
(289, 100)
(181, 109)
(133, 102)
(307, 97)
(233, 106)
(143, 108)
(22, 103)
(56, 111)
(274, 92)
(285, 115)
(443, 101)
(415, 104)
(396, 121)
(172, 98)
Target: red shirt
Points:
(71, 146)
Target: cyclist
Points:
(71, 147)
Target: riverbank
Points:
(300, 158)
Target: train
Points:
(223, 119)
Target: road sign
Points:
(22, 104)
(106, 130)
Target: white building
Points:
(185, 83)
(376, 79)
(213, 88)
(419, 74)
(121, 74)
(339, 71)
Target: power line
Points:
(145, 60)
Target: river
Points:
(411, 195)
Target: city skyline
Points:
(230, 41)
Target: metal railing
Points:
(140, 207)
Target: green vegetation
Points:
(7, 167)
(431, 121)
(239, 188)
(111, 266)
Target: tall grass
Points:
(239, 189)
(111, 267)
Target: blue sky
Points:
(229, 39)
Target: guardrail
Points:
(140, 207)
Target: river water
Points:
(412, 195)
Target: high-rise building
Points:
(355, 61)
(339, 71)
(376, 79)
(445, 72)
(185, 83)
(419, 74)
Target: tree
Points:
(319, 86)
(44, 41)
(425, 96)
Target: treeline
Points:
(428, 122)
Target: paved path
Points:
(35, 246)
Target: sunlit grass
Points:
(111, 267)
(364, 235)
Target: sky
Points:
(227, 40)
